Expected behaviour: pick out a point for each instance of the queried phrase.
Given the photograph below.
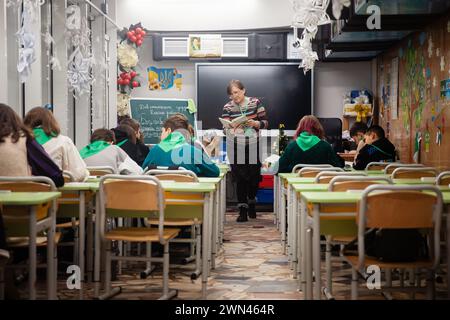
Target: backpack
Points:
(396, 245)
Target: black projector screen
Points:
(282, 88)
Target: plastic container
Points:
(266, 182)
(264, 196)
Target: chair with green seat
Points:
(326, 176)
(190, 215)
(100, 170)
(343, 230)
(376, 166)
(414, 172)
(299, 166)
(133, 197)
(16, 218)
(398, 207)
(394, 165)
(443, 179)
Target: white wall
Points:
(205, 15)
(333, 79)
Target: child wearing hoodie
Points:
(308, 147)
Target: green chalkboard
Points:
(151, 113)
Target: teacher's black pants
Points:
(245, 168)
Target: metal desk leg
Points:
(32, 254)
(97, 253)
(215, 219)
(205, 241)
(82, 238)
(51, 255)
(316, 252)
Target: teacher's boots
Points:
(242, 214)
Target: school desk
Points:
(316, 199)
(207, 190)
(32, 200)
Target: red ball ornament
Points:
(139, 42)
(123, 75)
(133, 74)
(143, 33)
(126, 82)
(138, 30)
(119, 81)
(135, 84)
(133, 39)
(132, 31)
(138, 36)
(129, 34)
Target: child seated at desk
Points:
(377, 148)
(20, 154)
(102, 152)
(174, 150)
(142, 149)
(59, 147)
(308, 147)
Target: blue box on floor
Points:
(264, 196)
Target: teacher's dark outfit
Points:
(243, 153)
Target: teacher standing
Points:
(243, 146)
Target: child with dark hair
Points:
(21, 154)
(142, 149)
(102, 152)
(175, 150)
(377, 148)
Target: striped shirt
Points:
(252, 108)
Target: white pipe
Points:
(103, 14)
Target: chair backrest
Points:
(100, 170)
(400, 207)
(377, 165)
(131, 197)
(413, 173)
(392, 166)
(326, 176)
(68, 176)
(345, 183)
(311, 172)
(17, 217)
(298, 166)
(27, 184)
(443, 179)
(175, 175)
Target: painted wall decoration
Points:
(421, 132)
(163, 78)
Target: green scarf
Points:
(306, 141)
(93, 148)
(172, 141)
(41, 137)
(122, 142)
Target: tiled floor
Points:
(250, 266)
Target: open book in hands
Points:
(234, 123)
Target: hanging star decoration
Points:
(78, 73)
(309, 15)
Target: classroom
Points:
(224, 150)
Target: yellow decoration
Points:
(361, 112)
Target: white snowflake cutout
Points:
(442, 63)
(434, 82)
